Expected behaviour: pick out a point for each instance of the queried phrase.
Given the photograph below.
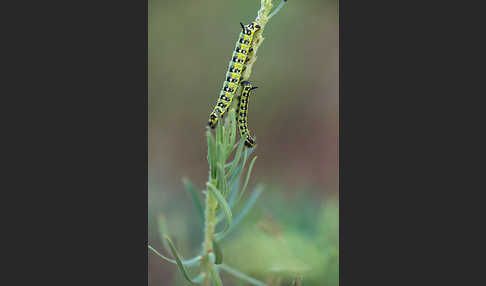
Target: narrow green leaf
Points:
(234, 184)
(217, 252)
(220, 217)
(225, 137)
(178, 260)
(231, 132)
(191, 189)
(223, 145)
(190, 262)
(224, 206)
(199, 278)
(249, 204)
(247, 154)
(236, 160)
(240, 275)
(210, 147)
(215, 277)
(211, 153)
(219, 132)
(163, 230)
(248, 174)
(161, 255)
(221, 153)
(235, 180)
(222, 184)
(233, 129)
(233, 187)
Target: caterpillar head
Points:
(250, 28)
(254, 26)
(247, 85)
(213, 119)
(249, 142)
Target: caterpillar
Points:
(235, 68)
(242, 115)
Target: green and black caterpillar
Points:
(233, 76)
(242, 113)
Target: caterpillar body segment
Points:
(242, 113)
(235, 68)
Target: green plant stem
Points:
(210, 225)
(210, 222)
(210, 219)
(262, 19)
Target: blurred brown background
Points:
(294, 114)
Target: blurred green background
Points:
(294, 117)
